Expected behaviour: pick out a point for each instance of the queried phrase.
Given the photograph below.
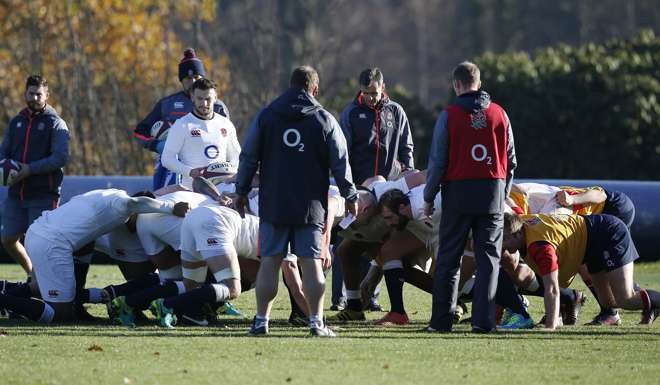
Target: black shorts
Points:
(609, 245)
(619, 205)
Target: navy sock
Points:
(394, 281)
(418, 278)
(566, 295)
(141, 299)
(80, 270)
(654, 296)
(28, 307)
(18, 289)
(192, 301)
(134, 285)
(354, 304)
(507, 295)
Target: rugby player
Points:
(554, 246)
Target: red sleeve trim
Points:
(517, 210)
(545, 257)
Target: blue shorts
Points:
(163, 177)
(18, 215)
(619, 205)
(609, 245)
(304, 240)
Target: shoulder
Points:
(351, 108)
(327, 119)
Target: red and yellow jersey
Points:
(596, 208)
(520, 199)
(566, 233)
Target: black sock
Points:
(192, 301)
(28, 307)
(603, 310)
(246, 285)
(394, 281)
(80, 270)
(140, 300)
(134, 285)
(354, 304)
(17, 289)
(654, 296)
(507, 296)
(566, 295)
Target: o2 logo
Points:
(211, 151)
(293, 139)
(479, 153)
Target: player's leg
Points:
(487, 235)
(454, 229)
(14, 225)
(293, 282)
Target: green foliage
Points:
(582, 112)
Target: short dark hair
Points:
(392, 199)
(304, 77)
(36, 81)
(467, 73)
(204, 84)
(371, 75)
(144, 193)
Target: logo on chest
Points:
(195, 132)
(223, 131)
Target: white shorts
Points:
(52, 264)
(121, 249)
(204, 234)
(156, 231)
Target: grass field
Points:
(363, 354)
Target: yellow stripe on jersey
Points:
(520, 199)
(568, 235)
(585, 209)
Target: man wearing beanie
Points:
(167, 111)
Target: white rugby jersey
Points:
(122, 245)
(88, 216)
(157, 230)
(220, 224)
(541, 199)
(193, 142)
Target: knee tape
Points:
(228, 273)
(173, 273)
(197, 274)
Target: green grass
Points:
(101, 354)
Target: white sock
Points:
(221, 292)
(260, 320)
(353, 294)
(315, 321)
(48, 314)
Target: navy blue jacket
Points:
(294, 143)
(379, 140)
(169, 108)
(40, 139)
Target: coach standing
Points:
(473, 156)
(38, 139)
(294, 142)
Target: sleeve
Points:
(545, 257)
(406, 146)
(233, 148)
(142, 132)
(438, 158)
(142, 205)
(338, 157)
(249, 157)
(59, 150)
(345, 124)
(173, 145)
(512, 162)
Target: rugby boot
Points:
(605, 318)
(229, 309)
(118, 309)
(165, 316)
(258, 330)
(650, 312)
(393, 319)
(298, 319)
(348, 315)
(517, 321)
(323, 331)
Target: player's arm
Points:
(59, 151)
(143, 205)
(173, 145)
(545, 256)
(438, 160)
(512, 162)
(341, 170)
(142, 132)
(234, 148)
(591, 196)
(405, 155)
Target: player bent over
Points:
(53, 238)
(554, 246)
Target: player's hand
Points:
(226, 200)
(195, 172)
(326, 260)
(240, 203)
(428, 209)
(564, 198)
(351, 207)
(23, 173)
(181, 209)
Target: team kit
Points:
(303, 194)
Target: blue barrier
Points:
(646, 196)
